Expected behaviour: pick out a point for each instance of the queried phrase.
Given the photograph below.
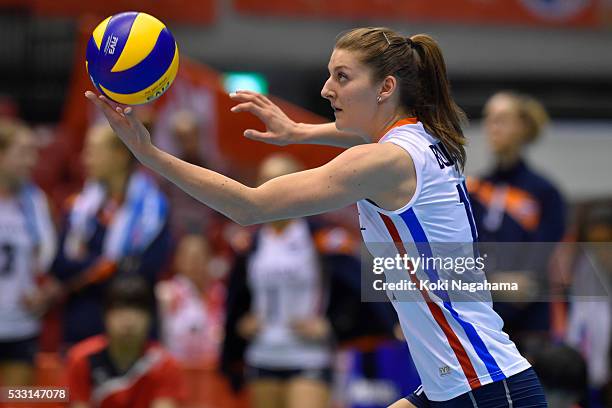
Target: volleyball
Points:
(132, 58)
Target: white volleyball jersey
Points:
(27, 245)
(285, 280)
(456, 346)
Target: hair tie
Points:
(386, 38)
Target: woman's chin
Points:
(342, 126)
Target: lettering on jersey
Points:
(444, 370)
(442, 155)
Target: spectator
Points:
(186, 213)
(121, 368)
(513, 203)
(192, 304)
(117, 223)
(289, 355)
(27, 245)
(563, 373)
(589, 296)
(293, 292)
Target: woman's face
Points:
(19, 158)
(351, 92)
(100, 157)
(504, 128)
(192, 258)
(127, 325)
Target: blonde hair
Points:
(531, 111)
(104, 129)
(9, 131)
(276, 165)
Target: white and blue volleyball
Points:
(132, 58)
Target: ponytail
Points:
(434, 105)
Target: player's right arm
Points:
(281, 130)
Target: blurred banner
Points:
(584, 13)
(188, 11)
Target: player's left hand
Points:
(129, 129)
(279, 128)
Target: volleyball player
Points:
(27, 245)
(289, 351)
(393, 108)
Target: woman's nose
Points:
(326, 93)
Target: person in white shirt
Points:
(289, 351)
(27, 246)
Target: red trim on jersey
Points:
(451, 337)
(163, 379)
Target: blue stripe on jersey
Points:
(26, 201)
(481, 349)
(422, 244)
(462, 190)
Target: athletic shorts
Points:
(22, 350)
(323, 375)
(518, 391)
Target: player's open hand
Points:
(280, 130)
(129, 129)
(248, 326)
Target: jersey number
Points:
(463, 198)
(7, 262)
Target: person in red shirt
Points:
(121, 368)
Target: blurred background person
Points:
(116, 224)
(289, 352)
(513, 203)
(589, 328)
(192, 305)
(186, 213)
(121, 368)
(563, 373)
(27, 246)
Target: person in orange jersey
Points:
(514, 203)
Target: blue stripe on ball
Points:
(146, 72)
(119, 26)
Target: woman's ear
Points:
(388, 87)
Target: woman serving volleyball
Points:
(402, 166)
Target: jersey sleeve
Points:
(78, 378)
(170, 382)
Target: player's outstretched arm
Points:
(360, 172)
(281, 130)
